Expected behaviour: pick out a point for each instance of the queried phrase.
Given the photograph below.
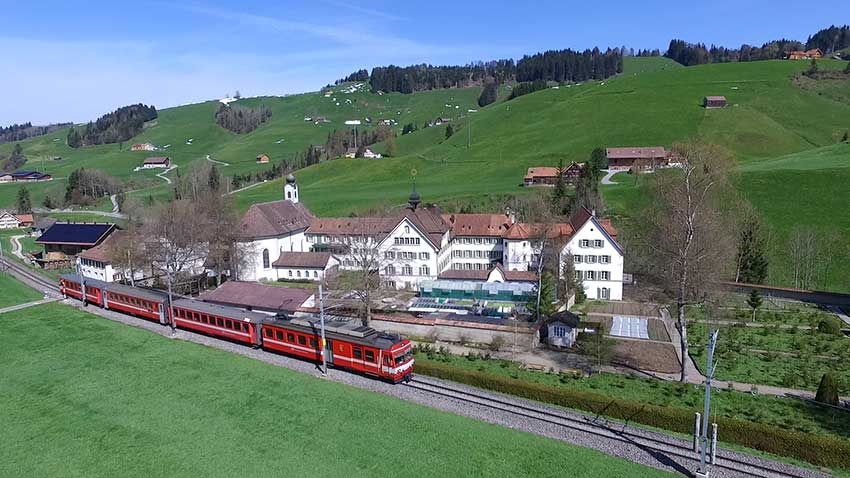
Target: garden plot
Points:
(629, 327)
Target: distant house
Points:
(714, 101)
(263, 159)
(143, 147)
(157, 162)
(813, 54)
(24, 177)
(313, 266)
(8, 220)
(543, 175)
(637, 157)
(561, 329)
(25, 220)
(367, 153)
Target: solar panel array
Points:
(73, 233)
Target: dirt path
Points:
(162, 174)
(246, 187)
(116, 215)
(606, 180)
(217, 161)
(17, 249)
(28, 304)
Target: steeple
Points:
(414, 196)
(290, 189)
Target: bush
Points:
(830, 325)
(818, 450)
(497, 343)
(827, 390)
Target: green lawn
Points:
(774, 411)
(83, 396)
(13, 292)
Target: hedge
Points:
(817, 450)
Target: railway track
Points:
(29, 277)
(681, 451)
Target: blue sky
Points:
(73, 61)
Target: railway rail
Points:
(30, 277)
(728, 463)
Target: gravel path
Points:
(622, 448)
(608, 174)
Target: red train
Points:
(347, 345)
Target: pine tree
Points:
(449, 131)
(489, 94)
(754, 301)
(827, 390)
(548, 304)
(214, 179)
(22, 203)
(559, 192)
(751, 256)
(74, 139)
(598, 159)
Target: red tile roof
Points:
(523, 230)
(157, 160)
(311, 260)
(541, 172)
(426, 219)
(275, 219)
(259, 296)
(101, 252)
(478, 224)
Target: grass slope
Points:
(13, 292)
(82, 396)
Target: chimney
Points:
(593, 212)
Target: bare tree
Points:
(359, 277)
(803, 254)
(682, 231)
(126, 251)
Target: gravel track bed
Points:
(621, 447)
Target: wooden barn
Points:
(714, 102)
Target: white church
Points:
(420, 243)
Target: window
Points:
(370, 356)
(578, 275)
(407, 229)
(389, 255)
(590, 275)
(315, 274)
(289, 337)
(424, 271)
(290, 273)
(604, 259)
(313, 342)
(584, 243)
(597, 243)
(228, 324)
(590, 259)
(267, 333)
(604, 275)
(424, 256)
(407, 270)
(559, 331)
(302, 340)
(576, 259)
(605, 293)
(358, 352)
(478, 240)
(389, 270)
(279, 335)
(266, 262)
(220, 322)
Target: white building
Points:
(96, 263)
(9, 220)
(419, 243)
(272, 228)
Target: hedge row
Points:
(818, 450)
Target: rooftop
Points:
(478, 224)
(73, 233)
(275, 218)
(639, 152)
(312, 260)
(259, 296)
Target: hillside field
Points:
(783, 136)
(82, 396)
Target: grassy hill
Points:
(782, 133)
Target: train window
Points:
(358, 352)
(267, 333)
(387, 360)
(279, 335)
(370, 356)
(220, 322)
(313, 342)
(302, 340)
(290, 338)
(228, 324)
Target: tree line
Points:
(828, 40)
(20, 132)
(241, 119)
(16, 159)
(555, 65)
(115, 127)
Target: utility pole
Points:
(170, 317)
(703, 459)
(82, 283)
(322, 322)
(2, 259)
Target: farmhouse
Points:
(367, 153)
(24, 177)
(96, 263)
(262, 298)
(65, 240)
(419, 244)
(262, 159)
(548, 176)
(814, 54)
(637, 158)
(156, 162)
(143, 147)
(9, 220)
(714, 102)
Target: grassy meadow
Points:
(83, 396)
(14, 292)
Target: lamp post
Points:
(703, 459)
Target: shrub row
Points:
(817, 450)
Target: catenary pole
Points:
(703, 459)
(322, 322)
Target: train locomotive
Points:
(347, 345)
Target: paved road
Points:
(608, 174)
(162, 174)
(16, 246)
(246, 187)
(115, 215)
(217, 161)
(114, 201)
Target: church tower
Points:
(290, 189)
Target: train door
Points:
(162, 314)
(329, 351)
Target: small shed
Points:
(714, 102)
(561, 329)
(263, 159)
(156, 162)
